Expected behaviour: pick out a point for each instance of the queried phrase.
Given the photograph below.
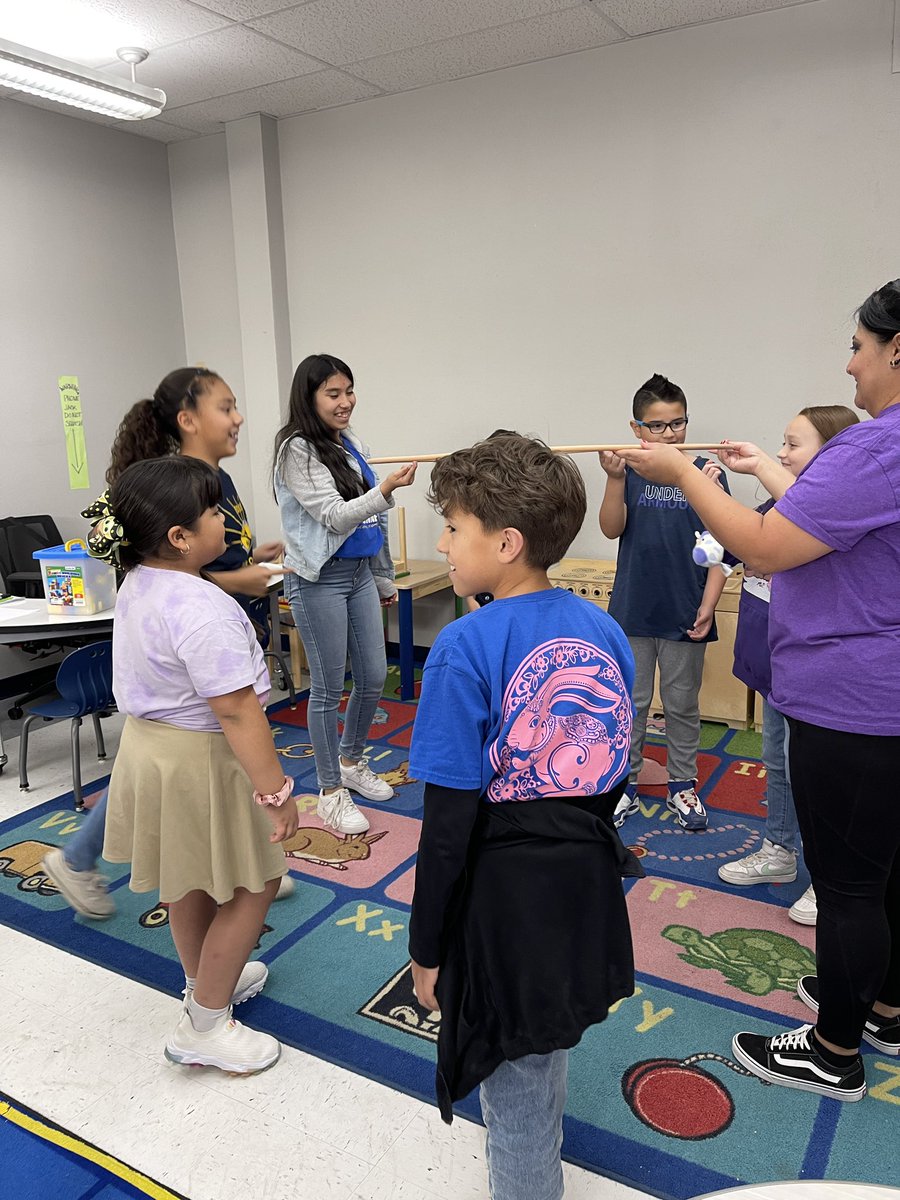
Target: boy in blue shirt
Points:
(518, 932)
(663, 600)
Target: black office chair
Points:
(19, 538)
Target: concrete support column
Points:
(254, 179)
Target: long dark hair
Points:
(880, 313)
(150, 428)
(149, 497)
(303, 421)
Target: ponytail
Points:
(150, 428)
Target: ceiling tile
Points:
(344, 31)
(650, 16)
(90, 31)
(524, 41)
(244, 10)
(216, 64)
(162, 131)
(325, 89)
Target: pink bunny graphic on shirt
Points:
(570, 724)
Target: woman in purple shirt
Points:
(833, 544)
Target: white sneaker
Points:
(285, 887)
(339, 811)
(769, 864)
(627, 806)
(363, 780)
(85, 891)
(251, 982)
(805, 911)
(229, 1045)
(684, 802)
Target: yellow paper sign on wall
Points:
(73, 427)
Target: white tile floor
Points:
(83, 1046)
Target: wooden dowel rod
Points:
(401, 526)
(556, 450)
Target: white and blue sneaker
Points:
(627, 806)
(684, 802)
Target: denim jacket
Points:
(317, 520)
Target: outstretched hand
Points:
(742, 457)
(402, 477)
(657, 461)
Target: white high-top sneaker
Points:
(769, 864)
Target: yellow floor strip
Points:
(69, 1141)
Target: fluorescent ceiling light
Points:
(54, 78)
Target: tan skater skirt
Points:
(181, 811)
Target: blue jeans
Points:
(781, 816)
(522, 1105)
(340, 612)
(86, 847)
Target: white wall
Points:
(87, 255)
(90, 288)
(526, 247)
(201, 206)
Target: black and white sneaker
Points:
(881, 1032)
(791, 1060)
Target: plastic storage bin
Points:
(74, 583)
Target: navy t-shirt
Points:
(658, 585)
(238, 550)
(238, 538)
(526, 699)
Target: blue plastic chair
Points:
(84, 683)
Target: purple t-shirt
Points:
(177, 640)
(834, 624)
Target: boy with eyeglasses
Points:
(663, 600)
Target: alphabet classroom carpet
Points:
(655, 1098)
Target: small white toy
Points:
(709, 553)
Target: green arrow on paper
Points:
(73, 424)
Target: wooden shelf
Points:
(723, 698)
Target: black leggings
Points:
(847, 793)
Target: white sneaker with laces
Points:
(364, 780)
(251, 982)
(684, 802)
(229, 1045)
(769, 864)
(338, 810)
(805, 911)
(85, 891)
